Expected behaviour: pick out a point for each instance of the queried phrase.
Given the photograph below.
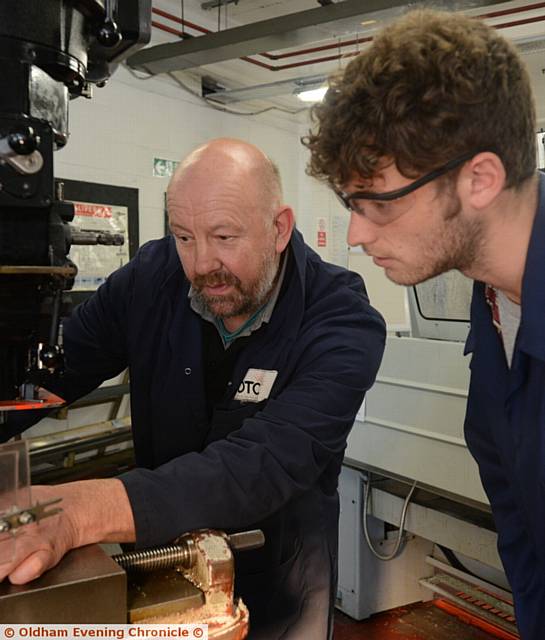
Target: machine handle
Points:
(246, 540)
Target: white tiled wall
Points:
(116, 135)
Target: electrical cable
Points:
(400, 534)
(233, 111)
(209, 103)
(136, 75)
(454, 561)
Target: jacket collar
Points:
(532, 329)
(299, 252)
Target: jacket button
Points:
(187, 371)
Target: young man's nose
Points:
(360, 230)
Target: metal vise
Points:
(188, 582)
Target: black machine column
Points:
(50, 52)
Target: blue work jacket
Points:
(271, 465)
(505, 432)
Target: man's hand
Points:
(92, 511)
(36, 547)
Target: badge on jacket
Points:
(256, 385)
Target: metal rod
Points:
(25, 270)
(54, 328)
(167, 557)
(102, 395)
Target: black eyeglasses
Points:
(360, 201)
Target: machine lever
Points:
(246, 540)
(91, 237)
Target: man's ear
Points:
(482, 179)
(284, 221)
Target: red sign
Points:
(92, 210)
(322, 239)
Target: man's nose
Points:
(206, 260)
(360, 230)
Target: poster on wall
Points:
(163, 168)
(96, 262)
(338, 253)
(101, 208)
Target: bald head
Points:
(234, 163)
(230, 227)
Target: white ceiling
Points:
(238, 73)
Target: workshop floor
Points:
(422, 621)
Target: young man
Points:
(249, 358)
(428, 138)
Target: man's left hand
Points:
(92, 511)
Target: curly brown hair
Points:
(432, 86)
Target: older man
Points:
(428, 138)
(248, 365)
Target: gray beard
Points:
(244, 301)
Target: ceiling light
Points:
(269, 90)
(312, 95)
(366, 23)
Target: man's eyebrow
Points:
(221, 226)
(368, 184)
(225, 226)
(174, 226)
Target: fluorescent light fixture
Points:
(265, 91)
(312, 95)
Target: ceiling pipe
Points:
(349, 54)
(285, 31)
(185, 23)
(507, 12)
(196, 27)
(325, 47)
(177, 32)
(337, 45)
(265, 54)
(270, 67)
(517, 23)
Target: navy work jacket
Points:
(271, 465)
(505, 432)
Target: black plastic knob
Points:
(23, 142)
(108, 35)
(51, 357)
